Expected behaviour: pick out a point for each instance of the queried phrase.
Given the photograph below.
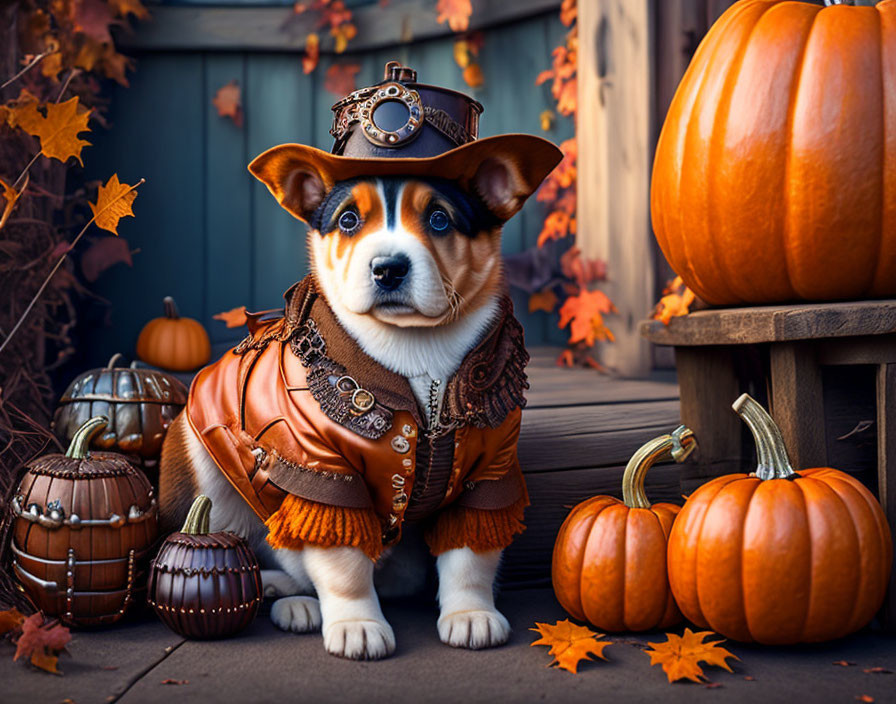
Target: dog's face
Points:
(407, 251)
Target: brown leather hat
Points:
(402, 127)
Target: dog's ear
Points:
(506, 175)
(292, 178)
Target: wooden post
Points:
(613, 130)
(886, 468)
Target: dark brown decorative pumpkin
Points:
(205, 585)
(84, 523)
(140, 405)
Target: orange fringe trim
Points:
(299, 521)
(477, 529)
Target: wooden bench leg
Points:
(797, 402)
(708, 386)
(886, 468)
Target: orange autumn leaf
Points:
(11, 620)
(584, 315)
(473, 76)
(568, 12)
(312, 53)
(57, 130)
(547, 119)
(113, 202)
(543, 300)
(557, 225)
(456, 13)
(569, 643)
(233, 318)
(11, 196)
(228, 102)
(462, 54)
(342, 33)
(675, 303)
(340, 78)
(41, 643)
(680, 655)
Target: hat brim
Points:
(532, 154)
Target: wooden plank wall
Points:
(210, 235)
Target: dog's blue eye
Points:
(439, 220)
(349, 221)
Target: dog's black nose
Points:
(389, 272)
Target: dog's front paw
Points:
(359, 640)
(299, 614)
(474, 629)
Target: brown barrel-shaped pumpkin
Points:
(139, 403)
(609, 564)
(84, 523)
(777, 556)
(205, 585)
(775, 172)
(174, 342)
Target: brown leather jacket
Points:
(329, 448)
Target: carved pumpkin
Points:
(609, 565)
(778, 556)
(140, 405)
(172, 342)
(205, 585)
(83, 525)
(775, 172)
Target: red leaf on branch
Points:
(104, 254)
(340, 78)
(581, 270)
(228, 102)
(456, 13)
(93, 17)
(557, 225)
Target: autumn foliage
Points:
(569, 643)
(38, 641)
(680, 656)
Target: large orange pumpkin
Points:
(778, 556)
(172, 342)
(775, 172)
(609, 565)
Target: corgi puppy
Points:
(389, 394)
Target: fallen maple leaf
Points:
(680, 655)
(456, 13)
(113, 202)
(877, 671)
(233, 318)
(57, 130)
(228, 102)
(543, 300)
(42, 642)
(675, 303)
(10, 620)
(569, 643)
(312, 53)
(171, 681)
(584, 315)
(340, 78)
(843, 663)
(867, 698)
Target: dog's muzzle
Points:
(389, 272)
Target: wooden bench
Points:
(827, 372)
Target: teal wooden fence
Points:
(207, 232)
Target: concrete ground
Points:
(132, 662)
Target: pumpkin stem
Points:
(828, 3)
(773, 460)
(677, 445)
(170, 308)
(114, 360)
(77, 448)
(197, 522)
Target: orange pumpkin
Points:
(775, 172)
(172, 342)
(609, 565)
(777, 556)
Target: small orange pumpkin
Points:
(775, 172)
(609, 565)
(777, 556)
(172, 342)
